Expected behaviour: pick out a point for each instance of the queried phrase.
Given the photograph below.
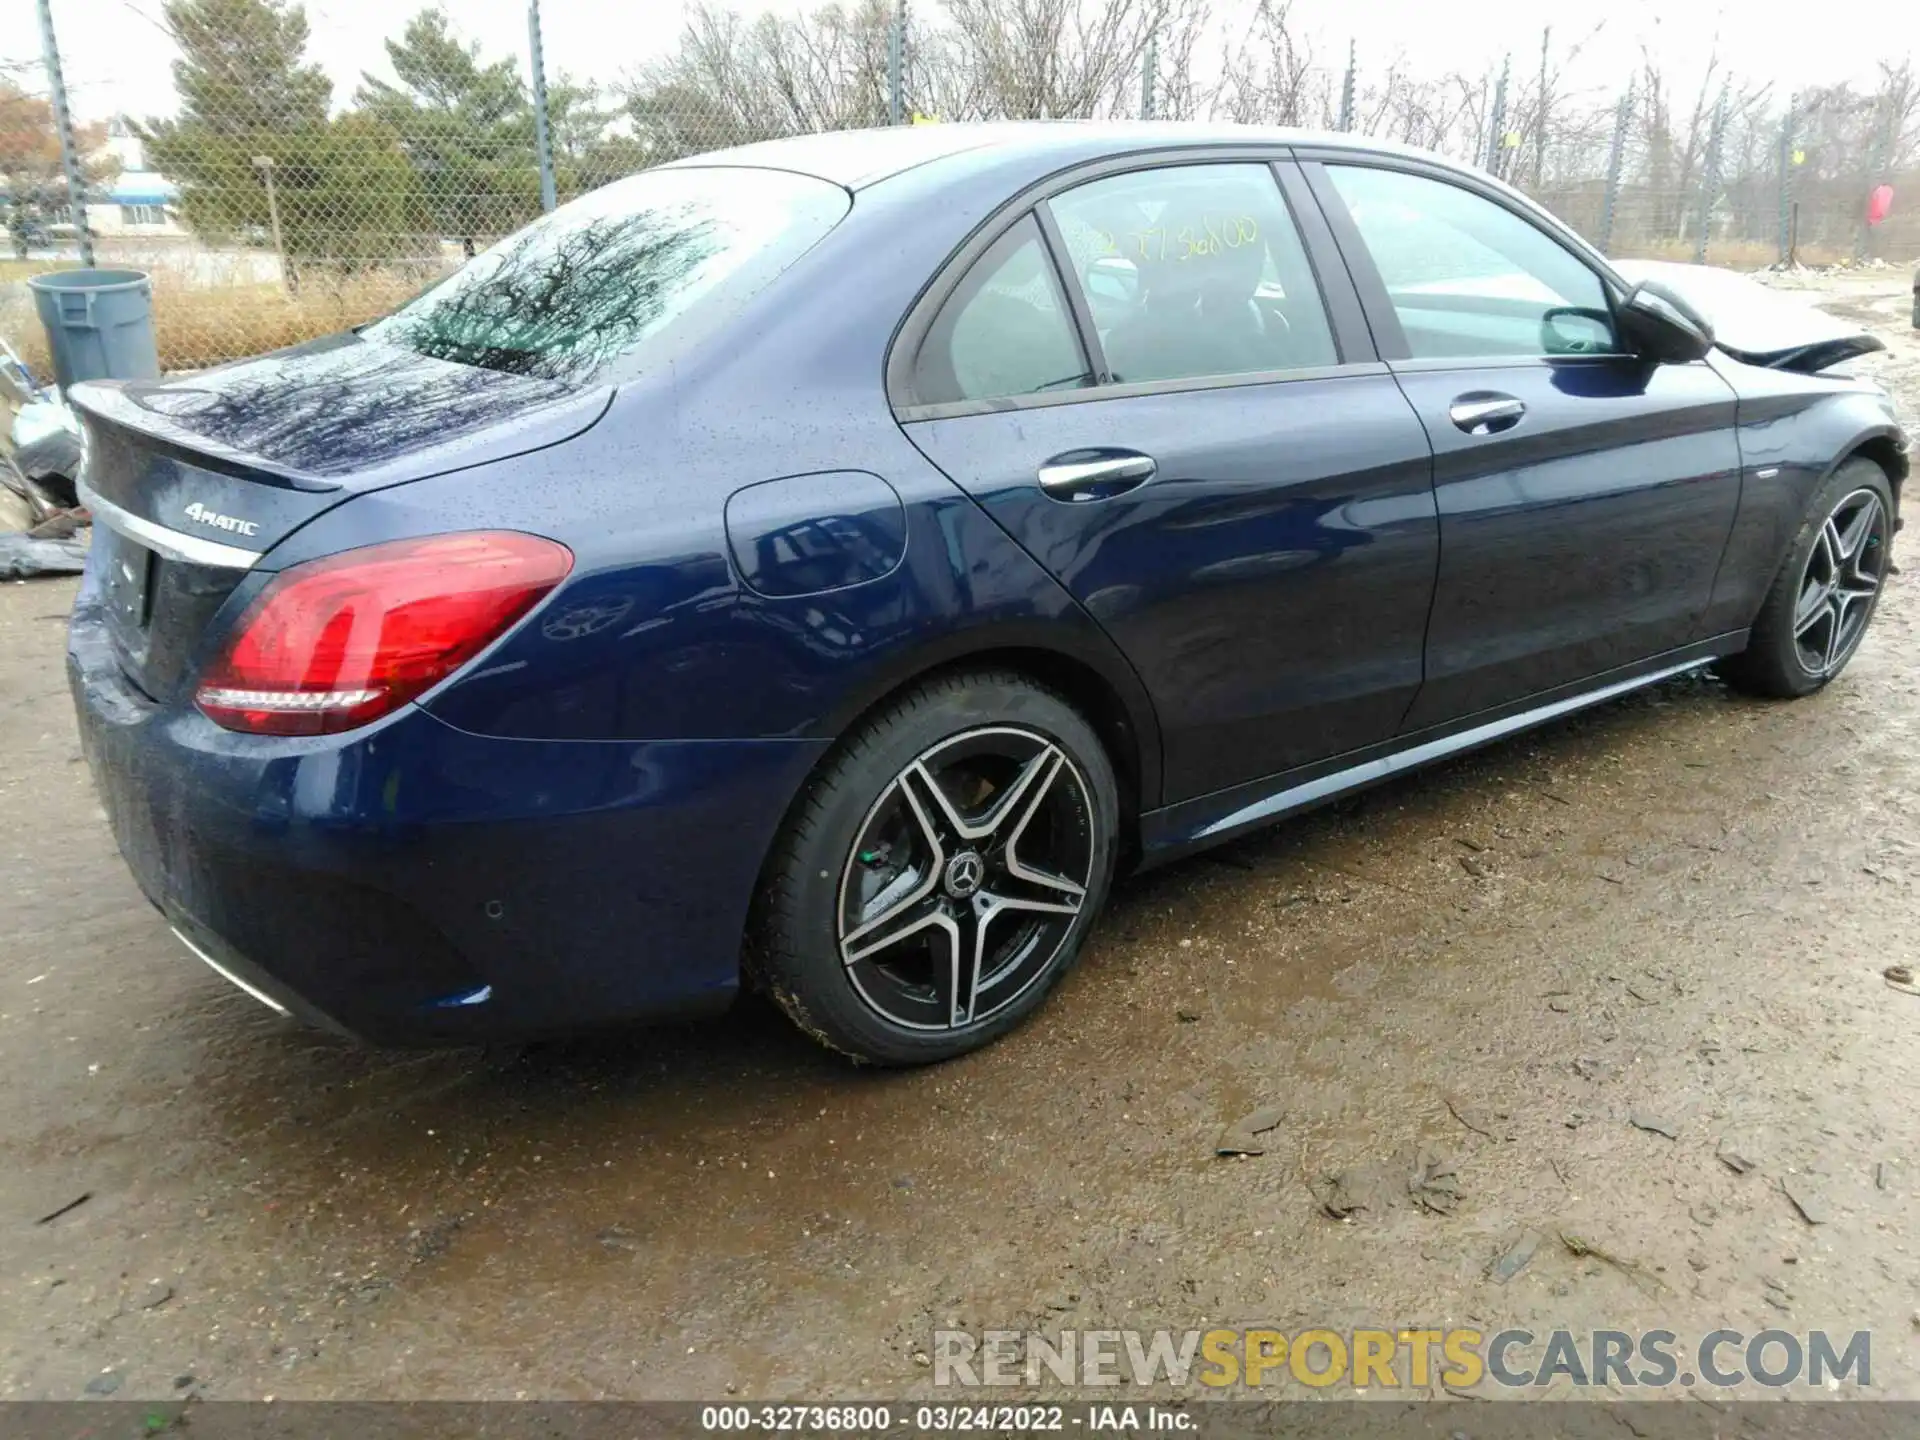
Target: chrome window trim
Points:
(1508, 361)
(904, 346)
(1094, 394)
(190, 549)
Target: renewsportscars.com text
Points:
(1367, 1359)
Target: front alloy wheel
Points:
(1823, 595)
(1838, 585)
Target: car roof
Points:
(858, 158)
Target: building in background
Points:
(137, 203)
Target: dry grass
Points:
(13, 269)
(203, 320)
(196, 325)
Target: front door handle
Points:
(1082, 475)
(1485, 413)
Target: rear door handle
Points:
(1486, 414)
(1083, 475)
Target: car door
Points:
(1585, 496)
(1147, 384)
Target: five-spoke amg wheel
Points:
(1824, 594)
(966, 879)
(1839, 583)
(942, 871)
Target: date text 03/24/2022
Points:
(946, 1418)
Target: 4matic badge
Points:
(201, 515)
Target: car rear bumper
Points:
(413, 883)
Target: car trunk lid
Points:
(193, 481)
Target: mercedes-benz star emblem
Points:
(964, 874)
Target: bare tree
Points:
(1675, 148)
(1898, 98)
(1270, 77)
(1051, 59)
(731, 80)
(1180, 93)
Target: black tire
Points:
(1797, 646)
(867, 840)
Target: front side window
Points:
(1194, 271)
(617, 273)
(1467, 277)
(1005, 330)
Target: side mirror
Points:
(1658, 325)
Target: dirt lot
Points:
(1680, 905)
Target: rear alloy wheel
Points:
(1824, 595)
(942, 873)
(944, 919)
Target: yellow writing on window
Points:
(1208, 235)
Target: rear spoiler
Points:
(106, 401)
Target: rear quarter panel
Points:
(654, 636)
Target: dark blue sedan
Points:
(826, 564)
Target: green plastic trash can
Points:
(99, 324)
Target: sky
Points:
(116, 54)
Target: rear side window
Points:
(1193, 271)
(1468, 277)
(1004, 331)
(625, 274)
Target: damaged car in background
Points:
(42, 525)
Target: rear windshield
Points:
(614, 275)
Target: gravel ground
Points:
(1680, 905)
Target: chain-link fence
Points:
(274, 202)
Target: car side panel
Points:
(1793, 429)
(655, 636)
(1584, 538)
(1270, 584)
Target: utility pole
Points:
(1149, 66)
(1616, 157)
(1877, 160)
(542, 139)
(1497, 128)
(896, 64)
(1788, 127)
(1710, 178)
(63, 123)
(1540, 120)
(264, 164)
(1346, 86)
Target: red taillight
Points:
(337, 642)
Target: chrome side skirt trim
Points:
(224, 973)
(190, 549)
(1297, 796)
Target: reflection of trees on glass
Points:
(339, 407)
(557, 303)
